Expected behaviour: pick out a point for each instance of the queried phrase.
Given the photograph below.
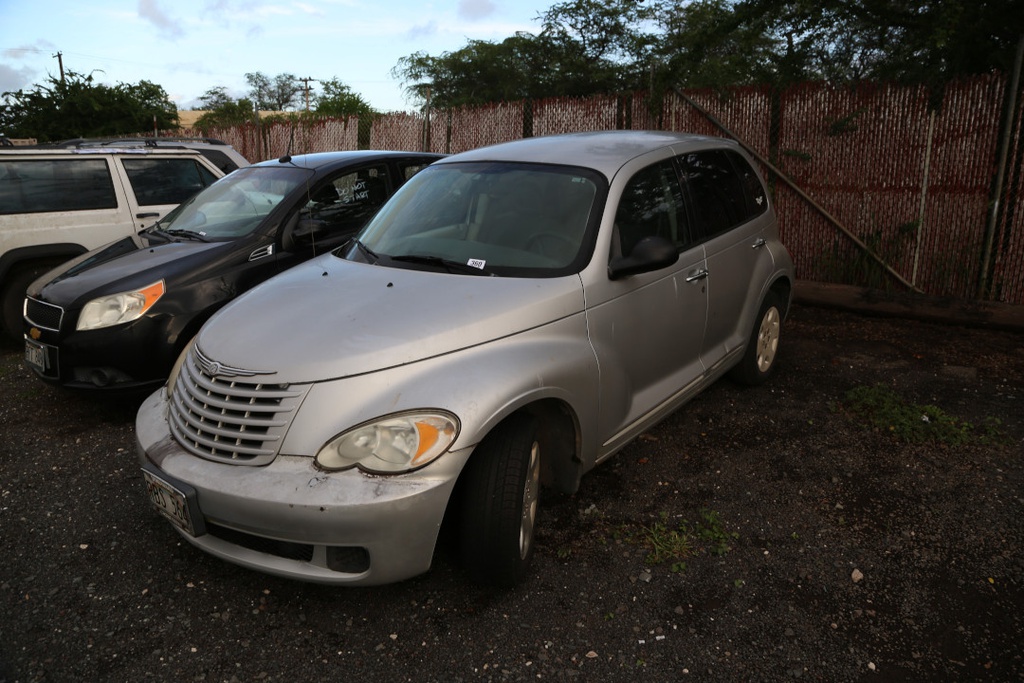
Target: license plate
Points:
(170, 502)
(35, 355)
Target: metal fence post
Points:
(985, 273)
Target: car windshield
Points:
(526, 220)
(234, 205)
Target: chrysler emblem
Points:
(213, 368)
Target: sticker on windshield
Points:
(476, 263)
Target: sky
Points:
(190, 46)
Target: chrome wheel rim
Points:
(768, 339)
(531, 492)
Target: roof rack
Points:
(149, 142)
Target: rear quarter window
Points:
(718, 193)
(412, 168)
(44, 185)
(220, 160)
(756, 196)
(166, 181)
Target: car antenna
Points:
(291, 140)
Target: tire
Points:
(17, 281)
(499, 503)
(758, 363)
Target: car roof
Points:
(218, 152)
(321, 159)
(95, 151)
(604, 151)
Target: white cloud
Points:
(154, 14)
(13, 79)
(422, 30)
(474, 10)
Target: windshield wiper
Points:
(187, 234)
(369, 254)
(447, 264)
(157, 231)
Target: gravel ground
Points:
(819, 548)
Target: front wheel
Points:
(758, 363)
(13, 296)
(499, 503)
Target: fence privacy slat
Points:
(914, 185)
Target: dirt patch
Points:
(820, 548)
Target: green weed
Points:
(885, 410)
(676, 544)
(666, 544)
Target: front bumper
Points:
(291, 519)
(128, 357)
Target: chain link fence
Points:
(877, 185)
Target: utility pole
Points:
(305, 83)
(60, 62)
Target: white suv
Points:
(57, 203)
(224, 156)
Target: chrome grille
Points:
(42, 314)
(237, 419)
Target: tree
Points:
(338, 99)
(601, 31)
(584, 47)
(215, 98)
(280, 93)
(477, 73)
(520, 67)
(590, 46)
(916, 41)
(78, 107)
(705, 44)
(225, 113)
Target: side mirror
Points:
(650, 253)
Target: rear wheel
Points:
(499, 503)
(758, 362)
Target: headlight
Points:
(393, 444)
(119, 308)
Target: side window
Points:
(348, 201)
(757, 198)
(37, 186)
(716, 192)
(651, 204)
(410, 169)
(220, 160)
(165, 181)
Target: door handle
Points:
(758, 243)
(147, 215)
(699, 275)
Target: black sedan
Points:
(117, 317)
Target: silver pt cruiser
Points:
(512, 317)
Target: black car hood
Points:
(121, 266)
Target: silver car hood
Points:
(330, 318)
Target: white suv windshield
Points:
(499, 218)
(236, 204)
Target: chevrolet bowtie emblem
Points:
(35, 333)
